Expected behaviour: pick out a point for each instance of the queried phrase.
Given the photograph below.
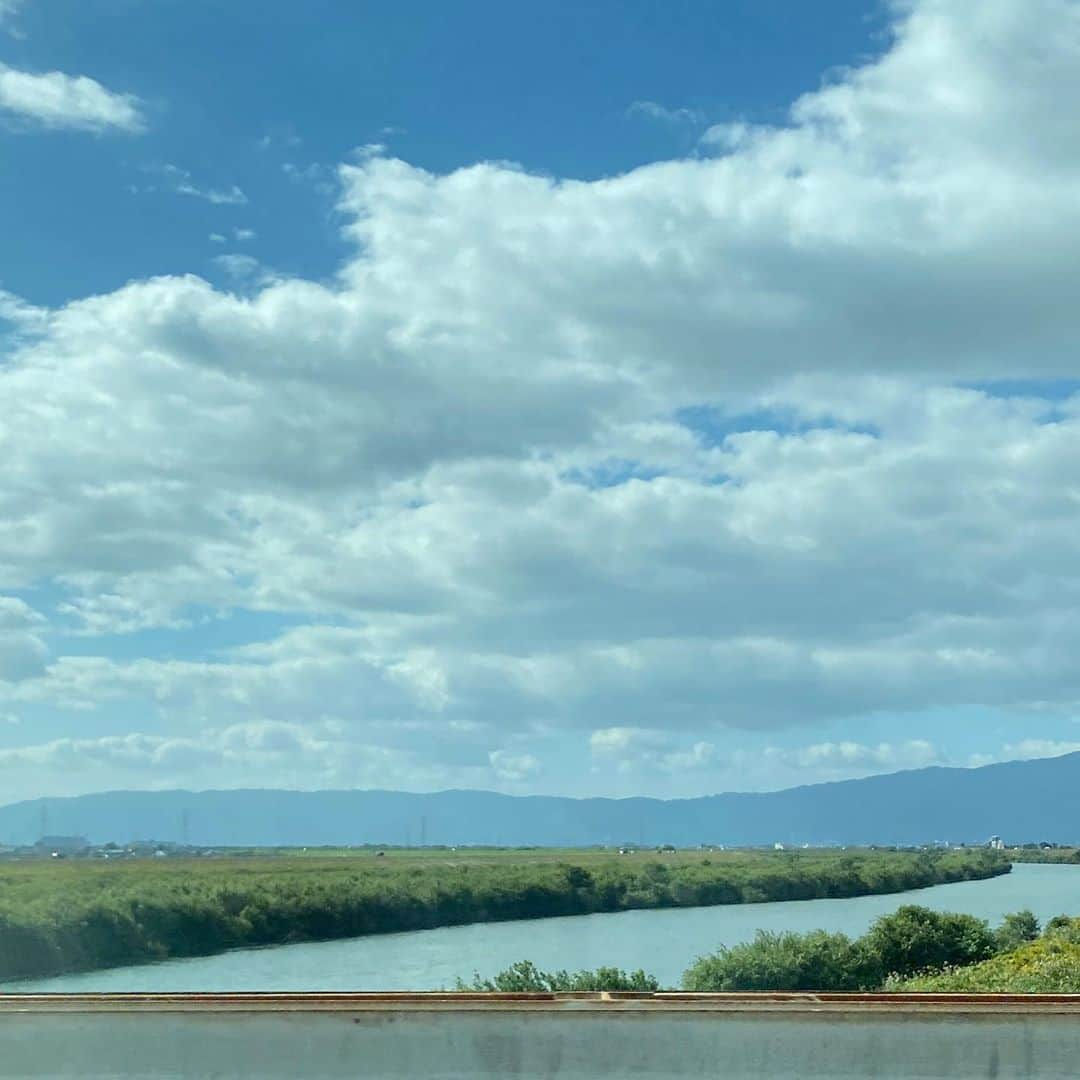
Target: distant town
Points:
(79, 847)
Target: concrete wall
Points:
(570, 1037)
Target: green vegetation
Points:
(75, 915)
(1016, 930)
(524, 977)
(911, 940)
(915, 939)
(1048, 965)
(913, 949)
(1035, 854)
(813, 961)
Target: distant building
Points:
(62, 845)
(996, 843)
(778, 846)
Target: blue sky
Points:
(270, 97)
(609, 398)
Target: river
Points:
(664, 942)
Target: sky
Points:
(593, 398)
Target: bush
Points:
(914, 939)
(1063, 928)
(814, 961)
(1046, 966)
(525, 977)
(1015, 930)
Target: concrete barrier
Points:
(565, 1036)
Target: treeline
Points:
(65, 917)
(1035, 854)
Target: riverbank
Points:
(69, 916)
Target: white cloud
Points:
(850, 757)
(179, 181)
(1025, 750)
(244, 235)
(679, 117)
(55, 100)
(514, 767)
(238, 267)
(665, 456)
(633, 749)
(23, 655)
(230, 196)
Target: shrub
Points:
(814, 961)
(525, 977)
(914, 939)
(1046, 966)
(1063, 928)
(1015, 930)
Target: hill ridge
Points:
(1024, 801)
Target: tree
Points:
(914, 939)
(1015, 930)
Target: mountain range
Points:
(1022, 801)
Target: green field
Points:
(1037, 855)
(67, 915)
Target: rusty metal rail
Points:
(557, 1036)
(454, 1001)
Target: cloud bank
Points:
(559, 475)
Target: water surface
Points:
(664, 942)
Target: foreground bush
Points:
(1063, 928)
(524, 977)
(814, 961)
(914, 939)
(1016, 930)
(1047, 966)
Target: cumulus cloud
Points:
(848, 757)
(239, 267)
(632, 749)
(250, 744)
(55, 100)
(720, 445)
(513, 767)
(1026, 749)
(22, 652)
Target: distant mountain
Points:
(1020, 800)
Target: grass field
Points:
(63, 915)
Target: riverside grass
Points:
(79, 915)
